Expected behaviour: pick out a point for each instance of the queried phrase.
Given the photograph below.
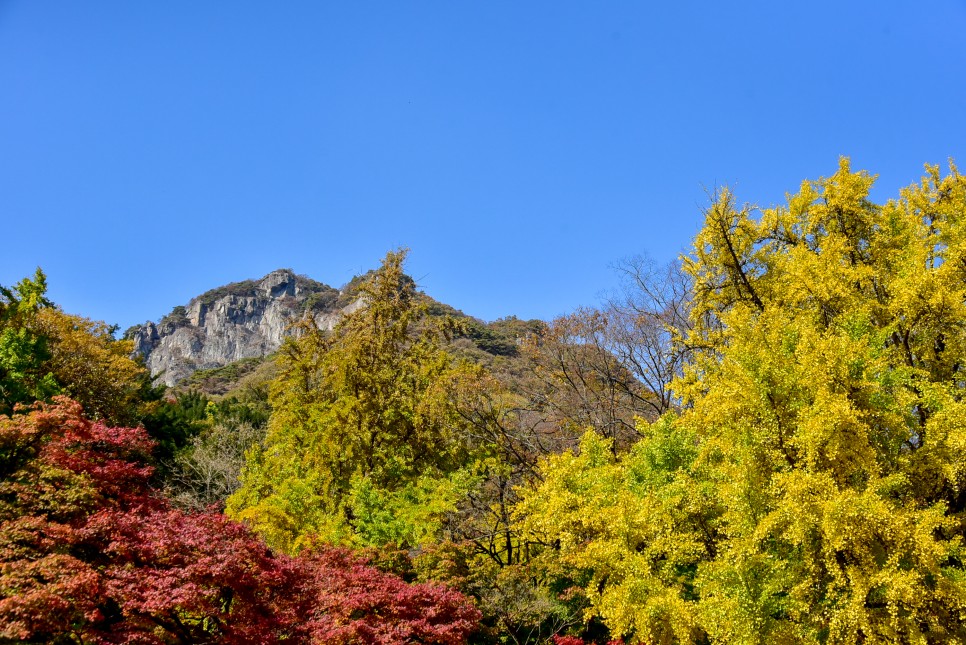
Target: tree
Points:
(44, 351)
(208, 470)
(629, 531)
(602, 368)
(89, 554)
(94, 368)
(580, 382)
(362, 408)
(206, 442)
(23, 350)
(647, 324)
(810, 490)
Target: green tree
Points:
(24, 351)
(360, 420)
(811, 489)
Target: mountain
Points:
(223, 336)
(242, 320)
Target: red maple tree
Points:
(88, 553)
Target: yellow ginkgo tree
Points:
(812, 487)
(363, 445)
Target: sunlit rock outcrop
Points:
(240, 320)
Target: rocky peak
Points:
(279, 283)
(239, 320)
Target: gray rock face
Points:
(240, 320)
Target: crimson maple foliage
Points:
(89, 554)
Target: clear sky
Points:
(150, 151)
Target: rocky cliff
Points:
(240, 320)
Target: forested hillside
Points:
(762, 442)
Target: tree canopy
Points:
(23, 350)
(811, 487)
(88, 553)
(44, 351)
(361, 427)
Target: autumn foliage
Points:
(772, 452)
(89, 554)
(810, 489)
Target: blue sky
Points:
(152, 150)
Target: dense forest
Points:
(763, 442)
